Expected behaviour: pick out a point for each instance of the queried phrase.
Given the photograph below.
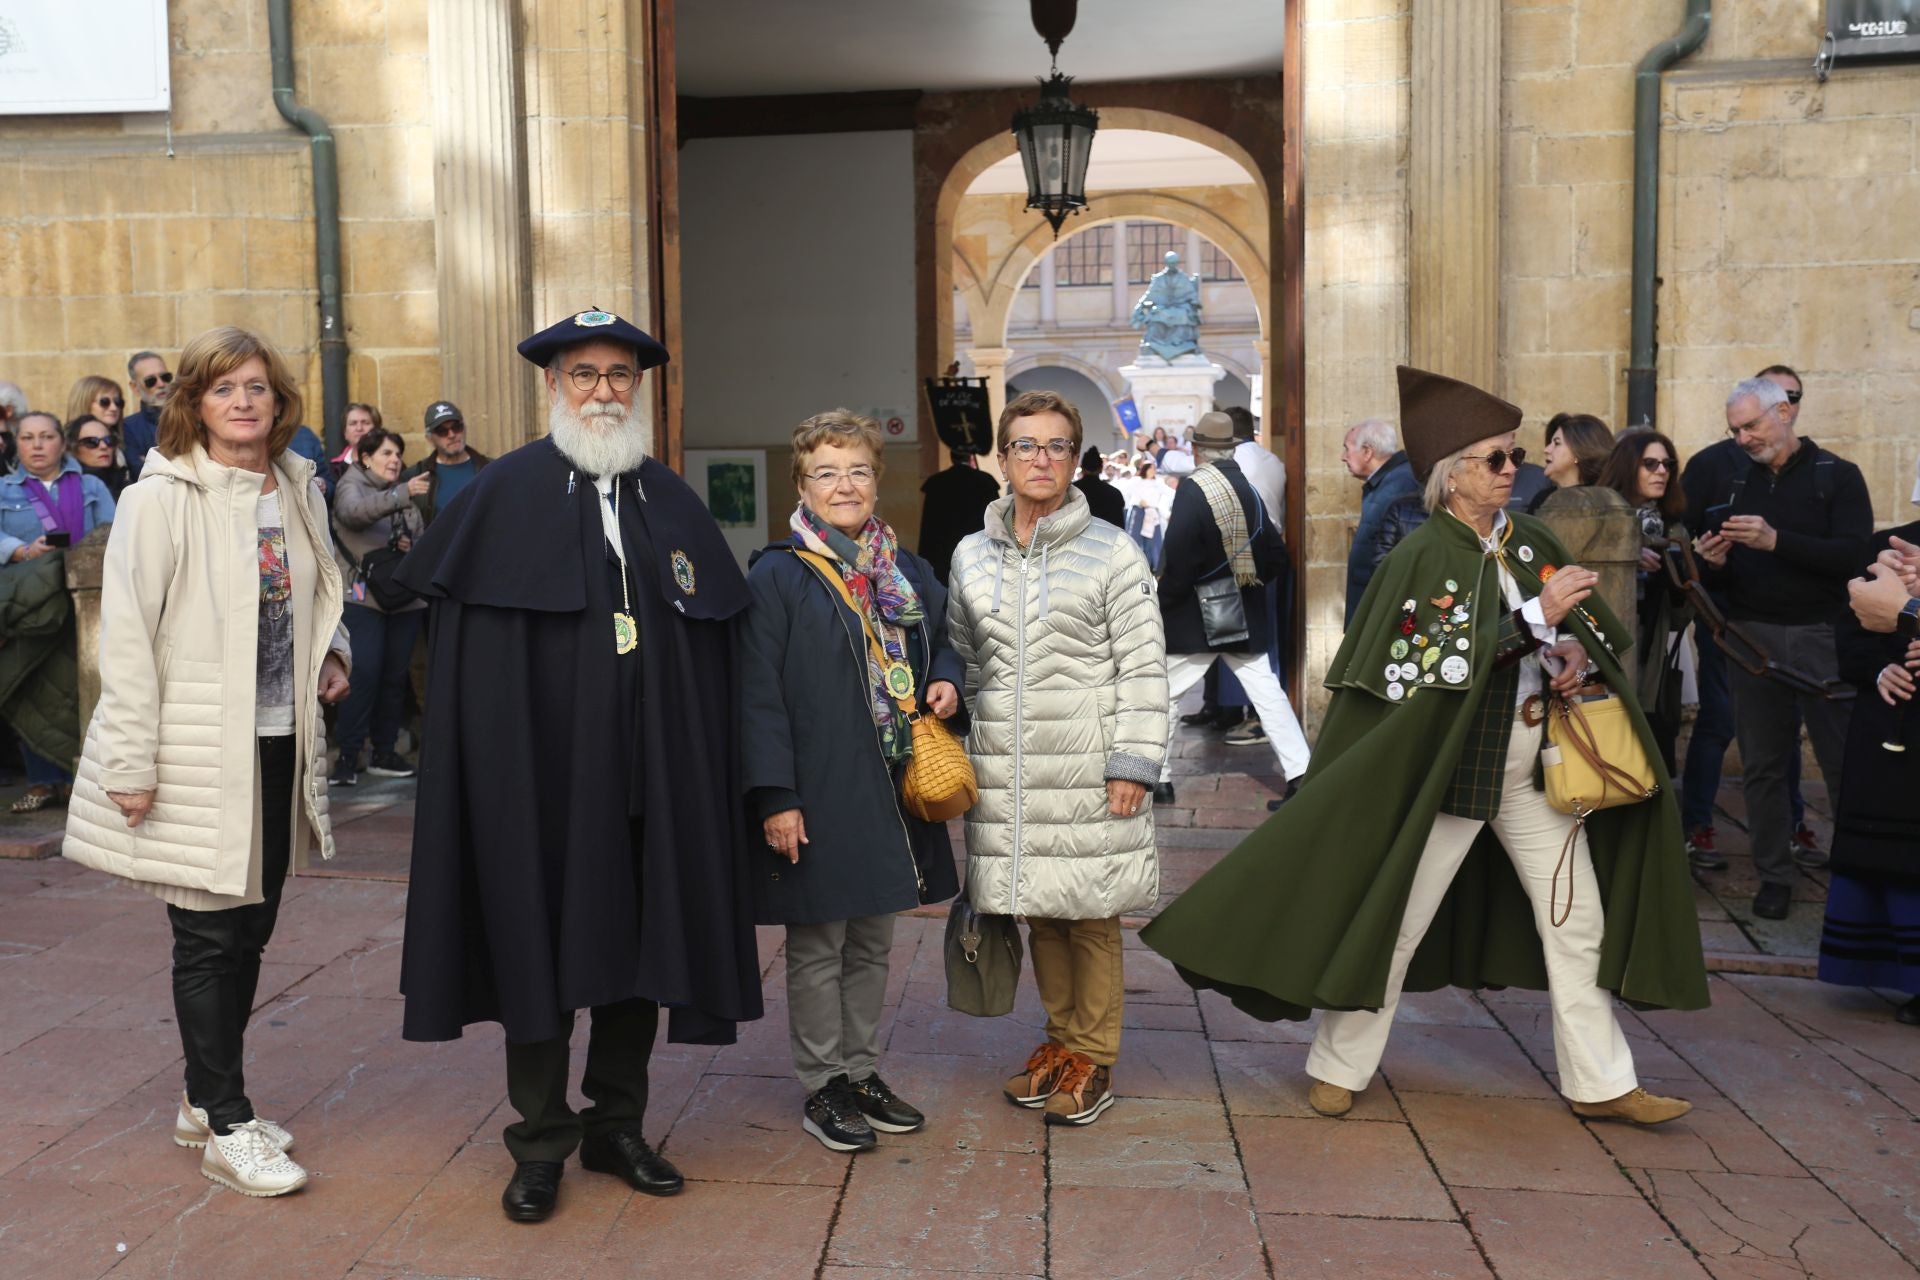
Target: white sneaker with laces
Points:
(248, 1161)
(190, 1128)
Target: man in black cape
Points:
(579, 839)
(955, 505)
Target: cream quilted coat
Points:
(1067, 682)
(179, 618)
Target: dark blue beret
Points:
(593, 326)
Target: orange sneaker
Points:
(1085, 1090)
(1033, 1086)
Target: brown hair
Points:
(206, 360)
(1029, 403)
(369, 444)
(80, 399)
(1586, 435)
(1622, 472)
(841, 427)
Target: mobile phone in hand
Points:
(1716, 517)
(59, 538)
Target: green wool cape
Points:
(1303, 914)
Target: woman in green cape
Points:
(1420, 853)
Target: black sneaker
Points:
(1204, 716)
(832, 1114)
(882, 1106)
(1773, 901)
(344, 774)
(1293, 788)
(389, 764)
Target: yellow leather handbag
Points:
(1592, 760)
(939, 781)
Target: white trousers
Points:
(1588, 1046)
(1185, 670)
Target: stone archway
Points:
(992, 288)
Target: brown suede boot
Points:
(1329, 1099)
(1639, 1106)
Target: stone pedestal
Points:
(1602, 533)
(1172, 393)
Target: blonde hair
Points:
(841, 427)
(1029, 403)
(80, 399)
(208, 358)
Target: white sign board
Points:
(68, 56)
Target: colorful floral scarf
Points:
(868, 565)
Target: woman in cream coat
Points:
(203, 777)
(1056, 617)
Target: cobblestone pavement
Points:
(1802, 1157)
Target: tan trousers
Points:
(1589, 1048)
(1077, 966)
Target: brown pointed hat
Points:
(1441, 415)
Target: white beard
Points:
(602, 439)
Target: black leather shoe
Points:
(1293, 788)
(1773, 900)
(883, 1108)
(532, 1190)
(625, 1154)
(1204, 716)
(1163, 793)
(1909, 1012)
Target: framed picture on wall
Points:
(733, 484)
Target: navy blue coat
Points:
(1194, 553)
(1393, 480)
(808, 742)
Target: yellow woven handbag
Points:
(939, 782)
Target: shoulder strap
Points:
(825, 570)
(1259, 512)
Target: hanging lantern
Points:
(1056, 134)
(1055, 137)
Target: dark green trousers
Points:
(619, 1046)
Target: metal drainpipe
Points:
(326, 222)
(1641, 378)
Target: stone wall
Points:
(108, 245)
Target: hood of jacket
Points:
(200, 470)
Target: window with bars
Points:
(1215, 264)
(1147, 246)
(1085, 258)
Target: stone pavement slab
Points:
(1801, 1158)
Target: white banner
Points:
(68, 56)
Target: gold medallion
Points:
(899, 677)
(626, 635)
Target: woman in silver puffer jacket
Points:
(1056, 617)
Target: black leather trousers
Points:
(216, 957)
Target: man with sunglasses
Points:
(452, 466)
(152, 382)
(1783, 538)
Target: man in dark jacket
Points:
(955, 505)
(451, 466)
(1795, 528)
(580, 841)
(1218, 530)
(1107, 502)
(147, 371)
(1372, 455)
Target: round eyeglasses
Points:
(587, 378)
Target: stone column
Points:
(991, 363)
(1454, 181)
(1122, 300)
(86, 565)
(480, 221)
(1049, 280)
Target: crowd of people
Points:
(697, 749)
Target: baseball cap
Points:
(443, 411)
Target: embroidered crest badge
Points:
(592, 319)
(683, 572)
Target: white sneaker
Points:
(248, 1161)
(190, 1128)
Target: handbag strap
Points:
(1586, 744)
(825, 570)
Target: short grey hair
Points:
(1205, 454)
(13, 400)
(1768, 392)
(1440, 480)
(138, 356)
(1376, 434)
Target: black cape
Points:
(956, 505)
(579, 837)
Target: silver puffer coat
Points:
(1067, 681)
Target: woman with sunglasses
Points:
(1644, 469)
(100, 397)
(91, 443)
(1417, 853)
(46, 504)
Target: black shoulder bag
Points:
(377, 569)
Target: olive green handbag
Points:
(983, 960)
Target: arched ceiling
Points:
(730, 48)
(1130, 160)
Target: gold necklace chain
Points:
(626, 632)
